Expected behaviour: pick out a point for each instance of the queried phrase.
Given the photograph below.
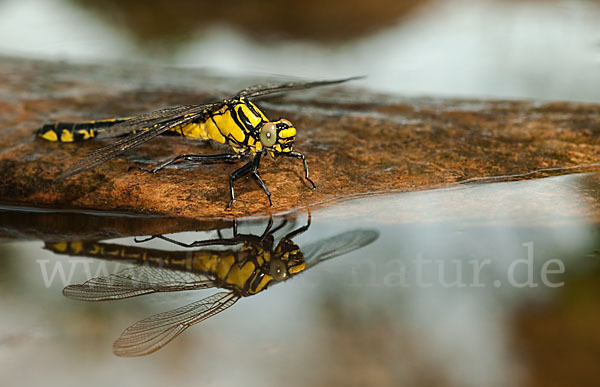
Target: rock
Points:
(355, 142)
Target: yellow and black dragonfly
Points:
(243, 265)
(236, 121)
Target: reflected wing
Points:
(337, 245)
(135, 281)
(111, 151)
(153, 333)
(260, 90)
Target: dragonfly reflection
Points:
(242, 265)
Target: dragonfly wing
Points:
(261, 90)
(135, 281)
(153, 333)
(147, 120)
(337, 245)
(111, 151)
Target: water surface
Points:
(448, 294)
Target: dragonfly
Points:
(242, 265)
(236, 122)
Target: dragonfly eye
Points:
(268, 134)
(278, 270)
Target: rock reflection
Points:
(242, 265)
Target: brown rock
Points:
(355, 142)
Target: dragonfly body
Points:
(245, 271)
(236, 122)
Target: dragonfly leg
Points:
(268, 228)
(292, 234)
(298, 155)
(250, 167)
(207, 159)
(262, 185)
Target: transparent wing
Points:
(150, 119)
(153, 333)
(111, 151)
(260, 90)
(135, 281)
(337, 245)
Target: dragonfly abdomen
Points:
(76, 131)
(177, 260)
(89, 130)
(231, 124)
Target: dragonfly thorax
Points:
(257, 132)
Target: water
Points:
(443, 296)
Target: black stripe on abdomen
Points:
(75, 131)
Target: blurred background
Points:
(542, 49)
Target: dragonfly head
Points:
(278, 137)
(287, 261)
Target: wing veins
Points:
(136, 281)
(149, 119)
(110, 151)
(262, 90)
(337, 245)
(151, 334)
